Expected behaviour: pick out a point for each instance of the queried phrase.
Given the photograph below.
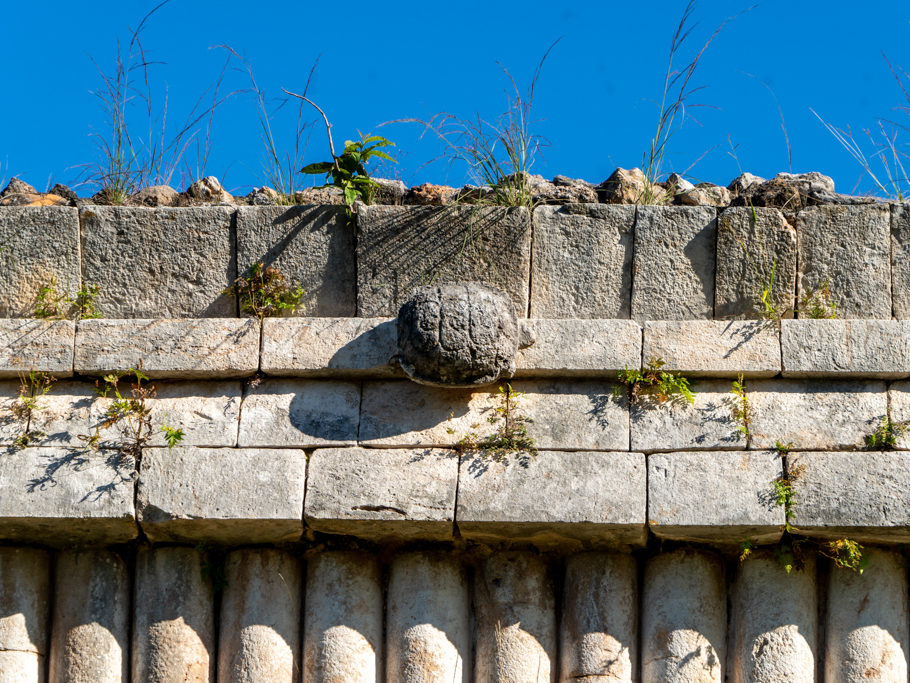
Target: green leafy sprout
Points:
(50, 304)
(654, 384)
(264, 292)
(885, 436)
(742, 408)
(510, 437)
(32, 387)
(172, 435)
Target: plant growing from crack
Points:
(50, 304)
(32, 387)
(817, 302)
(510, 437)
(653, 384)
(264, 292)
(885, 436)
(742, 408)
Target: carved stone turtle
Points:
(458, 335)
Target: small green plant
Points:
(783, 448)
(32, 387)
(885, 436)
(172, 435)
(50, 304)
(817, 302)
(846, 553)
(654, 384)
(785, 497)
(264, 292)
(745, 549)
(742, 408)
(132, 412)
(510, 437)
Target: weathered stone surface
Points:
(574, 415)
(773, 622)
(342, 640)
(65, 496)
(159, 263)
(155, 195)
(380, 494)
(704, 194)
(628, 186)
(583, 348)
(221, 495)
(563, 190)
(90, 635)
(582, 266)
(714, 348)
(673, 266)
(599, 627)
(25, 577)
(463, 334)
(789, 192)
(259, 637)
(11, 425)
(429, 194)
(173, 617)
(849, 247)
(708, 423)
(900, 260)
(208, 190)
(857, 494)
(756, 251)
(845, 348)
(815, 414)
(302, 413)
(39, 345)
(515, 609)
(866, 635)
(743, 182)
(40, 248)
(684, 618)
(713, 514)
(428, 623)
(400, 248)
(313, 246)
(554, 498)
(328, 347)
(898, 409)
(190, 349)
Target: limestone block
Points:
(849, 246)
(40, 248)
(342, 641)
(515, 609)
(756, 249)
(206, 412)
(221, 495)
(714, 348)
(554, 497)
(402, 247)
(857, 494)
(428, 622)
(90, 634)
(161, 262)
(673, 267)
(378, 494)
(39, 345)
(900, 260)
(313, 246)
(25, 597)
(898, 408)
(689, 496)
(866, 635)
(11, 425)
(599, 627)
(708, 423)
(584, 348)
(845, 348)
(259, 638)
(815, 414)
(576, 415)
(328, 347)
(582, 265)
(173, 617)
(188, 349)
(684, 618)
(301, 413)
(773, 622)
(65, 496)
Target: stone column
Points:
(684, 618)
(259, 639)
(342, 641)
(90, 634)
(25, 586)
(773, 622)
(866, 631)
(173, 617)
(515, 610)
(599, 630)
(428, 633)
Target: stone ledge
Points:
(192, 348)
(579, 347)
(846, 348)
(40, 345)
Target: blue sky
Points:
(596, 100)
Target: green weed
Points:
(817, 302)
(742, 408)
(172, 435)
(654, 384)
(50, 304)
(32, 387)
(348, 170)
(885, 436)
(264, 292)
(511, 436)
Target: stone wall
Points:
(323, 518)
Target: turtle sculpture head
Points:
(458, 335)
